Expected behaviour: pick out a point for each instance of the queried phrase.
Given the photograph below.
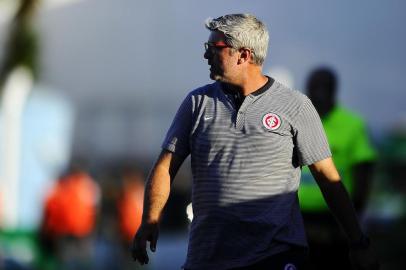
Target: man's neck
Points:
(249, 83)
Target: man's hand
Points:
(147, 232)
(363, 259)
(156, 194)
(339, 202)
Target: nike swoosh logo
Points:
(207, 118)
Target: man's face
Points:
(221, 58)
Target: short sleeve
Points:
(310, 138)
(177, 137)
(362, 150)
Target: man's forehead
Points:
(216, 36)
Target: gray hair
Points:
(242, 31)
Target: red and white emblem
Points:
(271, 121)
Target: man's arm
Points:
(362, 176)
(156, 195)
(339, 202)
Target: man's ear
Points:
(245, 55)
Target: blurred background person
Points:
(122, 186)
(129, 207)
(130, 203)
(386, 216)
(354, 157)
(69, 221)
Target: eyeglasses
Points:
(217, 45)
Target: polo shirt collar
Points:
(238, 98)
(257, 92)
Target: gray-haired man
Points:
(248, 137)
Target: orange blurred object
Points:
(130, 205)
(71, 206)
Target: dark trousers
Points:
(293, 259)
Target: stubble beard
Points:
(215, 76)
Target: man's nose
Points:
(207, 54)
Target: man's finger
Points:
(141, 256)
(139, 251)
(154, 240)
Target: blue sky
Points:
(128, 64)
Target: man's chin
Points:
(215, 77)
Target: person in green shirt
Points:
(354, 158)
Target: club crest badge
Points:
(271, 121)
(290, 266)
